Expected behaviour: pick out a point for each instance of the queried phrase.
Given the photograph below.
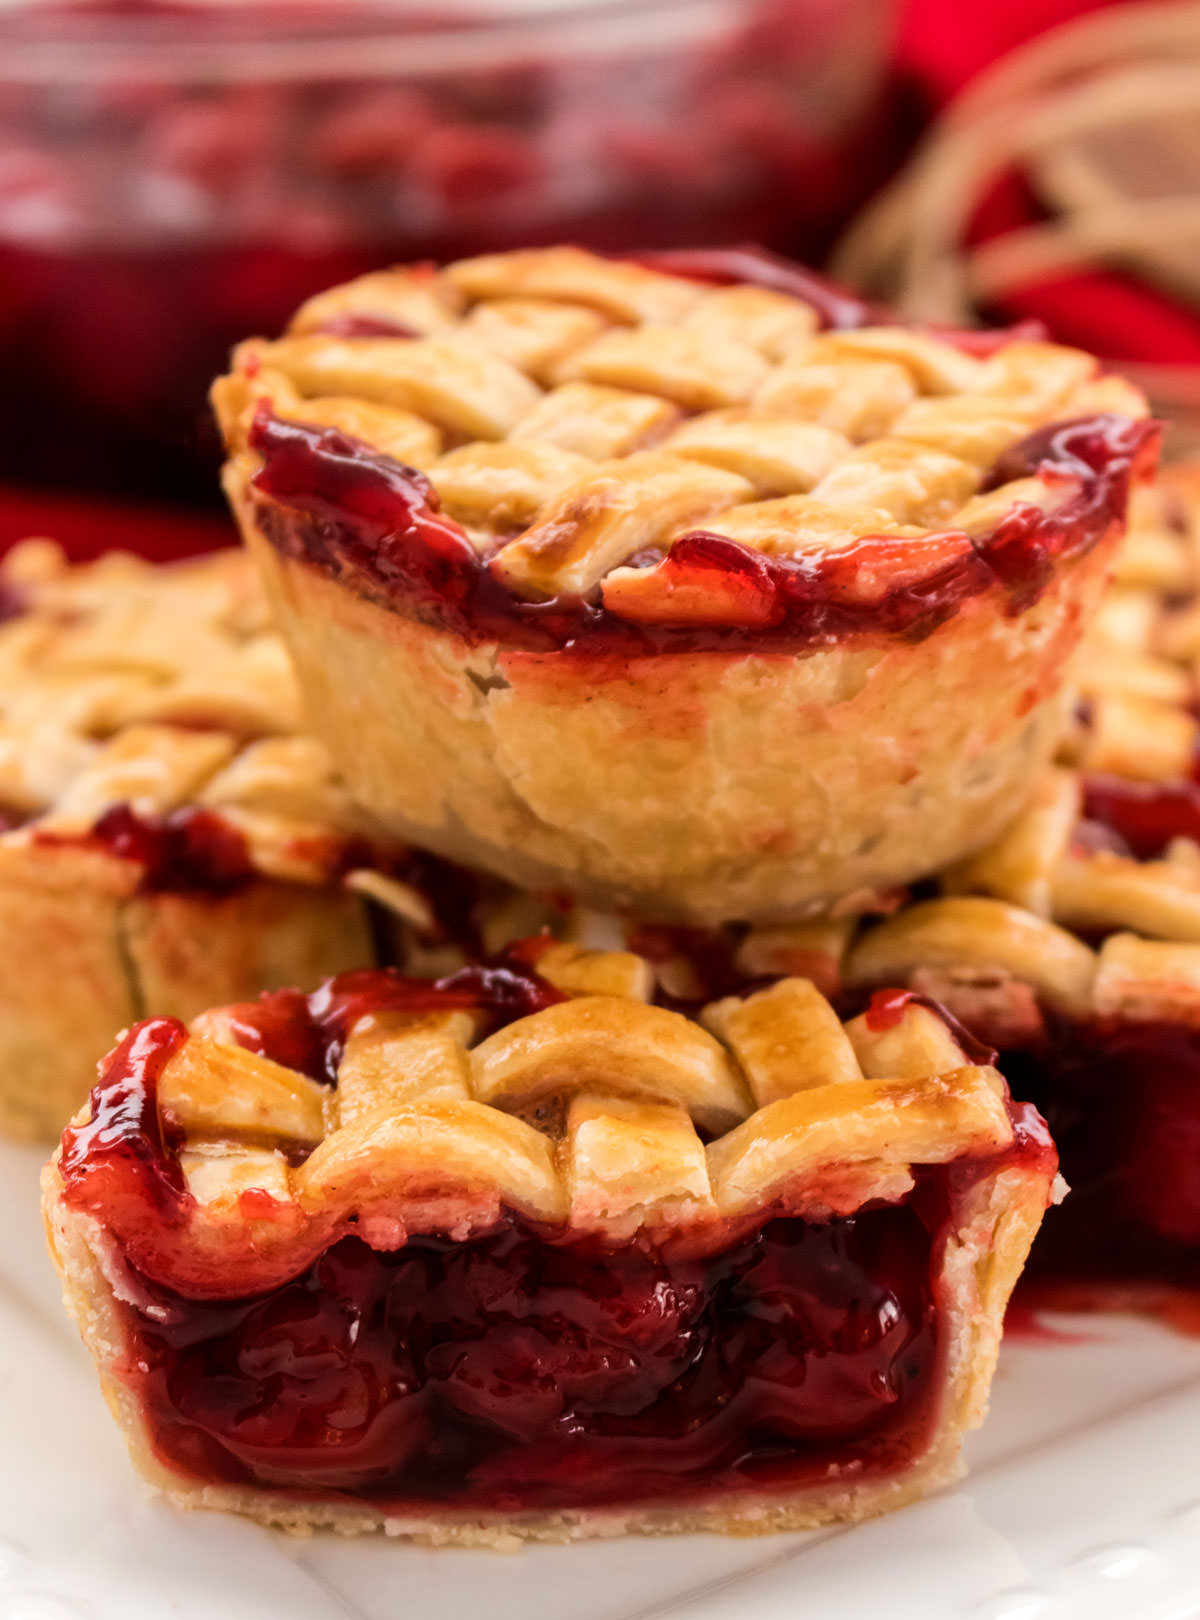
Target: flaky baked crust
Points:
(1137, 669)
(701, 755)
(719, 787)
(157, 693)
(427, 1132)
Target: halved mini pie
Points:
(1103, 1032)
(686, 587)
(524, 1254)
(168, 838)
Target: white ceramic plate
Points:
(1083, 1504)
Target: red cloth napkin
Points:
(86, 525)
(942, 43)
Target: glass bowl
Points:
(176, 176)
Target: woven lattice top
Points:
(598, 1109)
(159, 691)
(1137, 670)
(577, 415)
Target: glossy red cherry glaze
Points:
(197, 851)
(329, 501)
(187, 849)
(514, 1373)
(836, 308)
(524, 1368)
(1144, 816)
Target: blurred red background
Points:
(940, 45)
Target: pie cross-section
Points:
(524, 1253)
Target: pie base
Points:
(691, 787)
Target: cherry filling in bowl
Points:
(487, 1360)
(179, 175)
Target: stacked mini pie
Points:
(727, 631)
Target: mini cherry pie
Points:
(1107, 1043)
(1072, 949)
(526, 1253)
(686, 585)
(169, 837)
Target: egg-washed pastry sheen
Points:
(684, 585)
(524, 1254)
(168, 837)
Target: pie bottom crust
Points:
(982, 1263)
(735, 785)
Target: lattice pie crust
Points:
(162, 691)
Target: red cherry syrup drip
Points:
(837, 308)
(119, 1160)
(191, 849)
(1104, 454)
(887, 1007)
(365, 326)
(194, 850)
(373, 524)
(308, 1032)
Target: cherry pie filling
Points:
(364, 519)
(522, 1368)
(1123, 1101)
(1122, 1098)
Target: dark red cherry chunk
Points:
(514, 1372)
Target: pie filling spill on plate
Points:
(798, 584)
(522, 1252)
